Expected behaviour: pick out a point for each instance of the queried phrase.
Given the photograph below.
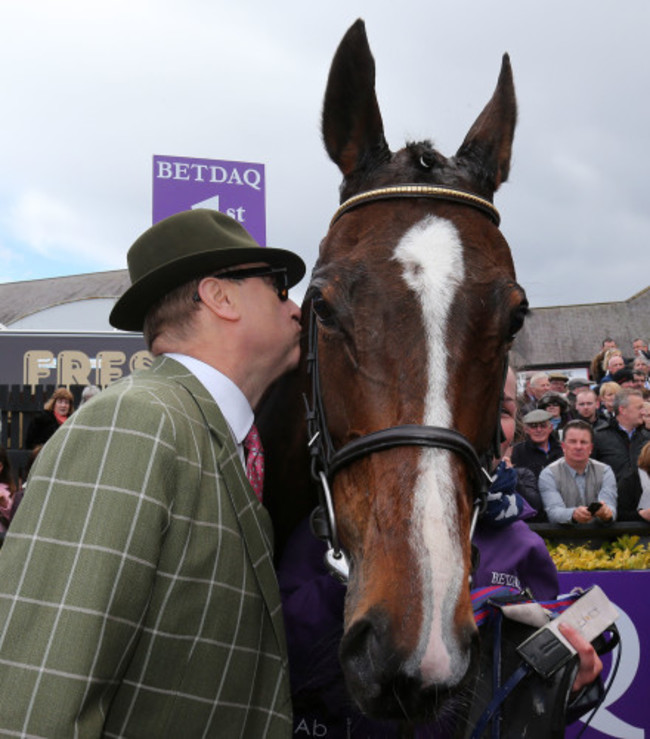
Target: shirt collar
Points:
(574, 472)
(232, 402)
(630, 434)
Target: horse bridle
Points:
(327, 461)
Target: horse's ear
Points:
(353, 130)
(488, 145)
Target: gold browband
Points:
(419, 191)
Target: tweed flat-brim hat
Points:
(183, 247)
(537, 416)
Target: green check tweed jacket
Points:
(137, 592)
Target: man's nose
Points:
(294, 310)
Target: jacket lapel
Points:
(252, 518)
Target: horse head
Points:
(415, 304)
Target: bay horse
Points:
(413, 305)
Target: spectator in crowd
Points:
(609, 343)
(586, 409)
(577, 489)
(538, 386)
(645, 415)
(56, 411)
(640, 348)
(619, 446)
(596, 370)
(7, 490)
(88, 393)
(23, 482)
(574, 386)
(558, 382)
(612, 362)
(641, 370)
(624, 378)
(526, 482)
(641, 364)
(138, 573)
(643, 506)
(526, 396)
(558, 407)
(640, 383)
(606, 394)
(540, 447)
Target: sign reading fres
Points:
(234, 188)
(51, 358)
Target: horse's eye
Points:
(322, 310)
(517, 319)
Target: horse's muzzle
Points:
(378, 679)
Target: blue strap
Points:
(497, 699)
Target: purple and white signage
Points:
(624, 713)
(234, 188)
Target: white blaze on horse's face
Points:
(431, 254)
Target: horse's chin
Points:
(405, 698)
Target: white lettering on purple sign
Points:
(212, 173)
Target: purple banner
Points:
(234, 188)
(625, 712)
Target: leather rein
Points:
(326, 461)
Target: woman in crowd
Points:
(56, 411)
(558, 407)
(607, 393)
(7, 490)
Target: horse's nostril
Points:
(368, 661)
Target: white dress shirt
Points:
(231, 400)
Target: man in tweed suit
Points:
(137, 592)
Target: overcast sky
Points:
(92, 90)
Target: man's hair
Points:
(622, 399)
(579, 426)
(537, 377)
(584, 391)
(606, 339)
(174, 311)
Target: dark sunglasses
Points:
(278, 276)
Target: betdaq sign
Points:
(41, 358)
(234, 188)
(624, 712)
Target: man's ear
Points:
(220, 297)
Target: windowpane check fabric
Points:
(137, 592)
(255, 461)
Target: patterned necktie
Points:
(255, 461)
